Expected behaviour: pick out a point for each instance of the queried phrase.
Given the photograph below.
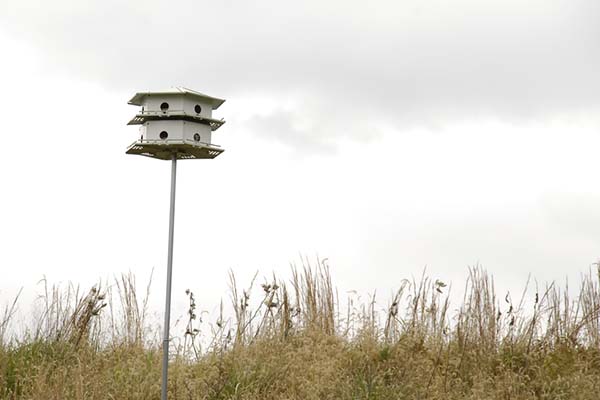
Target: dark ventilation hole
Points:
(197, 108)
(164, 107)
(197, 137)
(163, 135)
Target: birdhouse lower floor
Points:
(185, 139)
(168, 130)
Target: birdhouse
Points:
(177, 121)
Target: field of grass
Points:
(294, 340)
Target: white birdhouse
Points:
(177, 121)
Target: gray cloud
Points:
(402, 63)
(575, 215)
(280, 127)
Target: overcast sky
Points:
(386, 136)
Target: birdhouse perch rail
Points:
(141, 118)
(166, 142)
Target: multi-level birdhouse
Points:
(177, 121)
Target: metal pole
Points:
(165, 364)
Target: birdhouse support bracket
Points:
(164, 149)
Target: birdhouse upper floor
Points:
(176, 105)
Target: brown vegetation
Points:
(295, 341)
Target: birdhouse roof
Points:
(215, 102)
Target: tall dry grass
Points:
(294, 340)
